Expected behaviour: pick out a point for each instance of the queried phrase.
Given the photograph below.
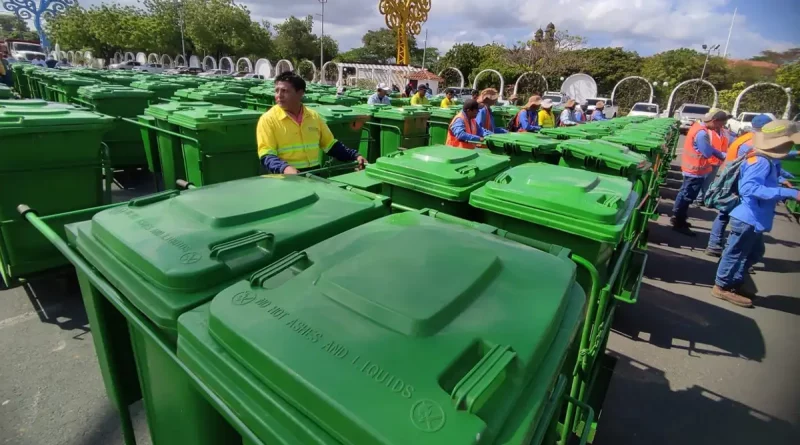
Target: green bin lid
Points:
(405, 330)
(172, 251)
(614, 156)
(403, 113)
(447, 172)
(77, 81)
(163, 110)
(38, 117)
(205, 117)
(155, 85)
(211, 95)
(445, 113)
(566, 133)
(371, 108)
(339, 113)
(32, 103)
(575, 201)
(184, 92)
(525, 141)
(112, 91)
(642, 144)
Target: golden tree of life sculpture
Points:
(404, 17)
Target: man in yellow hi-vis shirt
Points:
(290, 135)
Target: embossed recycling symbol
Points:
(190, 257)
(243, 298)
(427, 416)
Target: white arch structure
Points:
(788, 92)
(182, 62)
(614, 91)
(263, 68)
(222, 61)
(118, 57)
(516, 84)
(166, 59)
(152, 58)
(313, 68)
(686, 82)
(205, 63)
(460, 74)
(248, 63)
(141, 57)
(285, 63)
(129, 56)
(71, 56)
(323, 69)
(502, 81)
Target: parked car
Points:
(744, 122)
(150, 68)
(185, 70)
(688, 114)
(644, 109)
(212, 73)
(462, 94)
(557, 97)
(129, 65)
(609, 110)
(252, 76)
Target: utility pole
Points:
(425, 49)
(730, 31)
(181, 24)
(703, 73)
(321, 35)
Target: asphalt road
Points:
(691, 369)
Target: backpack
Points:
(723, 193)
(513, 124)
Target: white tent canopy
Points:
(388, 74)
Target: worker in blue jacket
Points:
(597, 114)
(759, 191)
(487, 98)
(527, 120)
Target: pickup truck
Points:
(609, 107)
(743, 122)
(644, 109)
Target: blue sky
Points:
(646, 26)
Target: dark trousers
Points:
(686, 195)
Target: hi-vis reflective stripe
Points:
(777, 129)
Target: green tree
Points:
(295, 41)
(788, 76)
(13, 27)
(221, 27)
(779, 58)
(609, 65)
(464, 56)
(678, 65)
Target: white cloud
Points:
(647, 26)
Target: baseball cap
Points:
(716, 115)
(760, 120)
(382, 86)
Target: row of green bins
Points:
(400, 101)
(439, 123)
(162, 141)
(186, 81)
(524, 147)
(588, 213)
(182, 94)
(371, 139)
(124, 140)
(792, 206)
(504, 114)
(119, 79)
(51, 159)
(329, 99)
(160, 89)
(218, 97)
(231, 87)
(160, 256)
(436, 177)
(6, 92)
(66, 87)
(21, 80)
(260, 98)
(30, 73)
(415, 357)
(348, 126)
(310, 98)
(218, 143)
(564, 133)
(595, 128)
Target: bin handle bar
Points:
(151, 127)
(635, 292)
(183, 184)
(83, 102)
(133, 317)
(556, 395)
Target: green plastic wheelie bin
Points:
(124, 140)
(217, 97)
(51, 158)
(348, 126)
(218, 143)
(524, 147)
(504, 114)
(144, 263)
(405, 127)
(31, 73)
(439, 123)
(436, 177)
(6, 92)
(587, 213)
(372, 145)
(21, 84)
(360, 305)
(160, 89)
(66, 88)
(564, 133)
(329, 99)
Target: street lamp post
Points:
(321, 35)
(703, 73)
(180, 24)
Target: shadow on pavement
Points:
(676, 267)
(57, 299)
(665, 236)
(778, 265)
(675, 321)
(769, 239)
(695, 415)
(782, 303)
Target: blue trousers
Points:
(686, 195)
(745, 247)
(716, 239)
(706, 184)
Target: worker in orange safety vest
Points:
(464, 131)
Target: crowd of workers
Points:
(761, 184)
(290, 137)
